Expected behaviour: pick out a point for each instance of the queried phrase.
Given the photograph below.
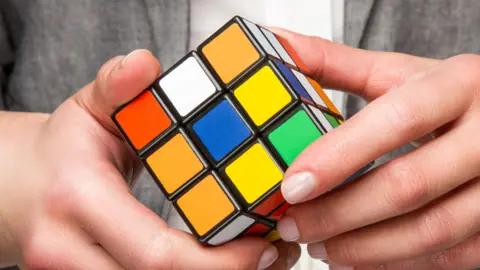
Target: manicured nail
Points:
(288, 230)
(131, 55)
(298, 187)
(269, 256)
(339, 267)
(318, 251)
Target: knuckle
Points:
(404, 185)
(404, 117)
(343, 252)
(160, 254)
(106, 70)
(467, 67)
(319, 225)
(67, 193)
(441, 261)
(435, 229)
(38, 256)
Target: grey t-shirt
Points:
(51, 48)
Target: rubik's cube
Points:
(218, 130)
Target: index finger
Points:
(364, 73)
(386, 124)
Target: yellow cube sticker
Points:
(263, 95)
(254, 173)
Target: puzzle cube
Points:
(218, 130)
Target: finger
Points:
(389, 122)
(395, 188)
(463, 256)
(118, 81)
(288, 255)
(59, 249)
(365, 73)
(139, 239)
(427, 231)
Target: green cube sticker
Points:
(333, 121)
(294, 135)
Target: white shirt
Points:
(323, 18)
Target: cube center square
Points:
(221, 129)
(263, 95)
(142, 120)
(254, 173)
(187, 86)
(294, 135)
(205, 205)
(174, 164)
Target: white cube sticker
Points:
(321, 117)
(278, 47)
(261, 39)
(187, 86)
(232, 230)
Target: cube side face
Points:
(218, 130)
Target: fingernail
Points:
(318, 251)
(339, 267)
(131, 55)
(288, 230)
(298, 187)
(269, 256)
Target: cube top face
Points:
(221, 130)
(143, 119)
(263, 95)
(176, 163)
(188, 85)
(218, 130)
(230, 53)
(210, 196)
(254, 173)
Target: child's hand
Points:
(64, 203)
(425, 203)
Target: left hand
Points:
(418, 211)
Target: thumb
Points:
(118, 81)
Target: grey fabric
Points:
(429, 28)
(51, 48)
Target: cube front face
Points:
(218, 130)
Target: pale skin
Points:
(419, 211)
(64, 198)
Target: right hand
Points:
(64, 202)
